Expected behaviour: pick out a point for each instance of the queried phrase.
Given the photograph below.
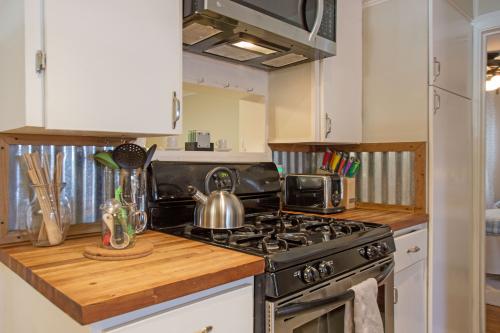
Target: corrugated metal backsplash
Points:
(384, 177)
(87, 184)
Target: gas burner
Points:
(278, 224)
(316, 226)
(217, 236)
(296, 238)
(259, 228)
(272, 245)
(286, 225)
(354, 226)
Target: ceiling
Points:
(493, 43)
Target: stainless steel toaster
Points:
(313, 193)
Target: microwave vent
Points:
(232, 52)
(195, 33)
(284, 60)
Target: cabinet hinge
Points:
(40, 61)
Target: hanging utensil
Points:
(129, 156)
(105, 158)
(150, 154)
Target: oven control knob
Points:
(310, 274)
(383, 248)
(325, 268)
(371, 252)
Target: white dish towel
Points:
(367, 318)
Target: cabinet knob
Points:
(414, 249)
(206, 329)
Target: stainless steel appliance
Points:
(313, 193)
(311, 262)
(264, 34)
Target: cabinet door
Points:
(410, 299)
(229, 312)
(113, 66)
(451, 219)
(451, 67)
(341, 79)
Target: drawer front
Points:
(228, 312)
(410, 248)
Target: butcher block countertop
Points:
(90, 290)
(397, 220)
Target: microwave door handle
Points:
(318, 20)
(297, 308)
(385, 273)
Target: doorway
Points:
(491, 108)
(486, 138)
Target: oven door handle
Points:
(385, 273)
(296, 308)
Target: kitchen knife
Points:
(326, 160)
(335, 161)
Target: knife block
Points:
(349, 191)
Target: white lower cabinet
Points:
(409, 310)
(410, 287)
(227, 308)
(227, 312)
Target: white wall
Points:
(486, 6)
(395, 52)
(252, 125)
(465, 6)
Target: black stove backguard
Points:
(170, 205)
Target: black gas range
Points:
(305, 255)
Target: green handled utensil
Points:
(106, 159)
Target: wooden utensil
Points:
(45, 188)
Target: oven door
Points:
(326, 307)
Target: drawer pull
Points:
(414, 249)
(207, 329)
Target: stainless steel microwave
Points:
(264, 34)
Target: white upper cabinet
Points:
(112, 67)
(341, 78)
(451, 54)
(321, 101)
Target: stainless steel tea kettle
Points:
(220, 209)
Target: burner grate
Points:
(270, 234)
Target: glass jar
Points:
(120, 224)
(48, 215)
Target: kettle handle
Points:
(217, 169)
